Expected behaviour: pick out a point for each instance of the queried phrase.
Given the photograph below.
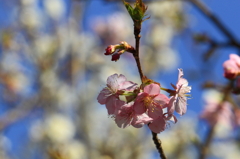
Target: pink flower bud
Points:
(110, 50)
(118, 49)
(232, 67)
(116, 57)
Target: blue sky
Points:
(226, 10)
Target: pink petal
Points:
(113, 104)
(158, 125)
(180, 73)
(121, 79)
(128, 86)
(181, 105)
(235, 58)
(103, 95)
(171, 105)
(140, 120)
(124, 115)
(114, 81)
(152, 89)
(181, 81)
(171, 117)
(231, 69)
(155, 111)
(162, 100)
(139, 106)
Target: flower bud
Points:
(109, 50)
(137, 12)
(232, 67)
(118, 49)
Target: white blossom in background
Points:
(75, 150)
(29, 2)
(55, 8)
(50, 80)
(225, 150)
(161, 35)
(5, 146)
(36, 131)
(59, 128)
(174, 10)
(177, 137)
(31, 15)
(43, 45)
(164, 61)
(112, 25)
(15, 73)
(69, 100)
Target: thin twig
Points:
(137, 35)
(205, 146)
(19, 112)
(209, 15)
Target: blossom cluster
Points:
(128, 104)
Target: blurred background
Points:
(52, 67)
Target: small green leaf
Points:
(137, 12)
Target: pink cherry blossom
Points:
(151, 101)
(159, 124)
(126, 116)
(232, 66)
(178, 102)
(217, 112)
(116, 84)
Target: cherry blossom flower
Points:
(159, 124)
(126, 116)
(232, 67)
(216, 112)
(116, 85)
(151, 101)
(178, 101)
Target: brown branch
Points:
(137, 35)
(158, 144)
(19, 112)
(209, 15)
(137, 31)
(205, 146)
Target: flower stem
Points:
(137, 30)
(158, 144)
